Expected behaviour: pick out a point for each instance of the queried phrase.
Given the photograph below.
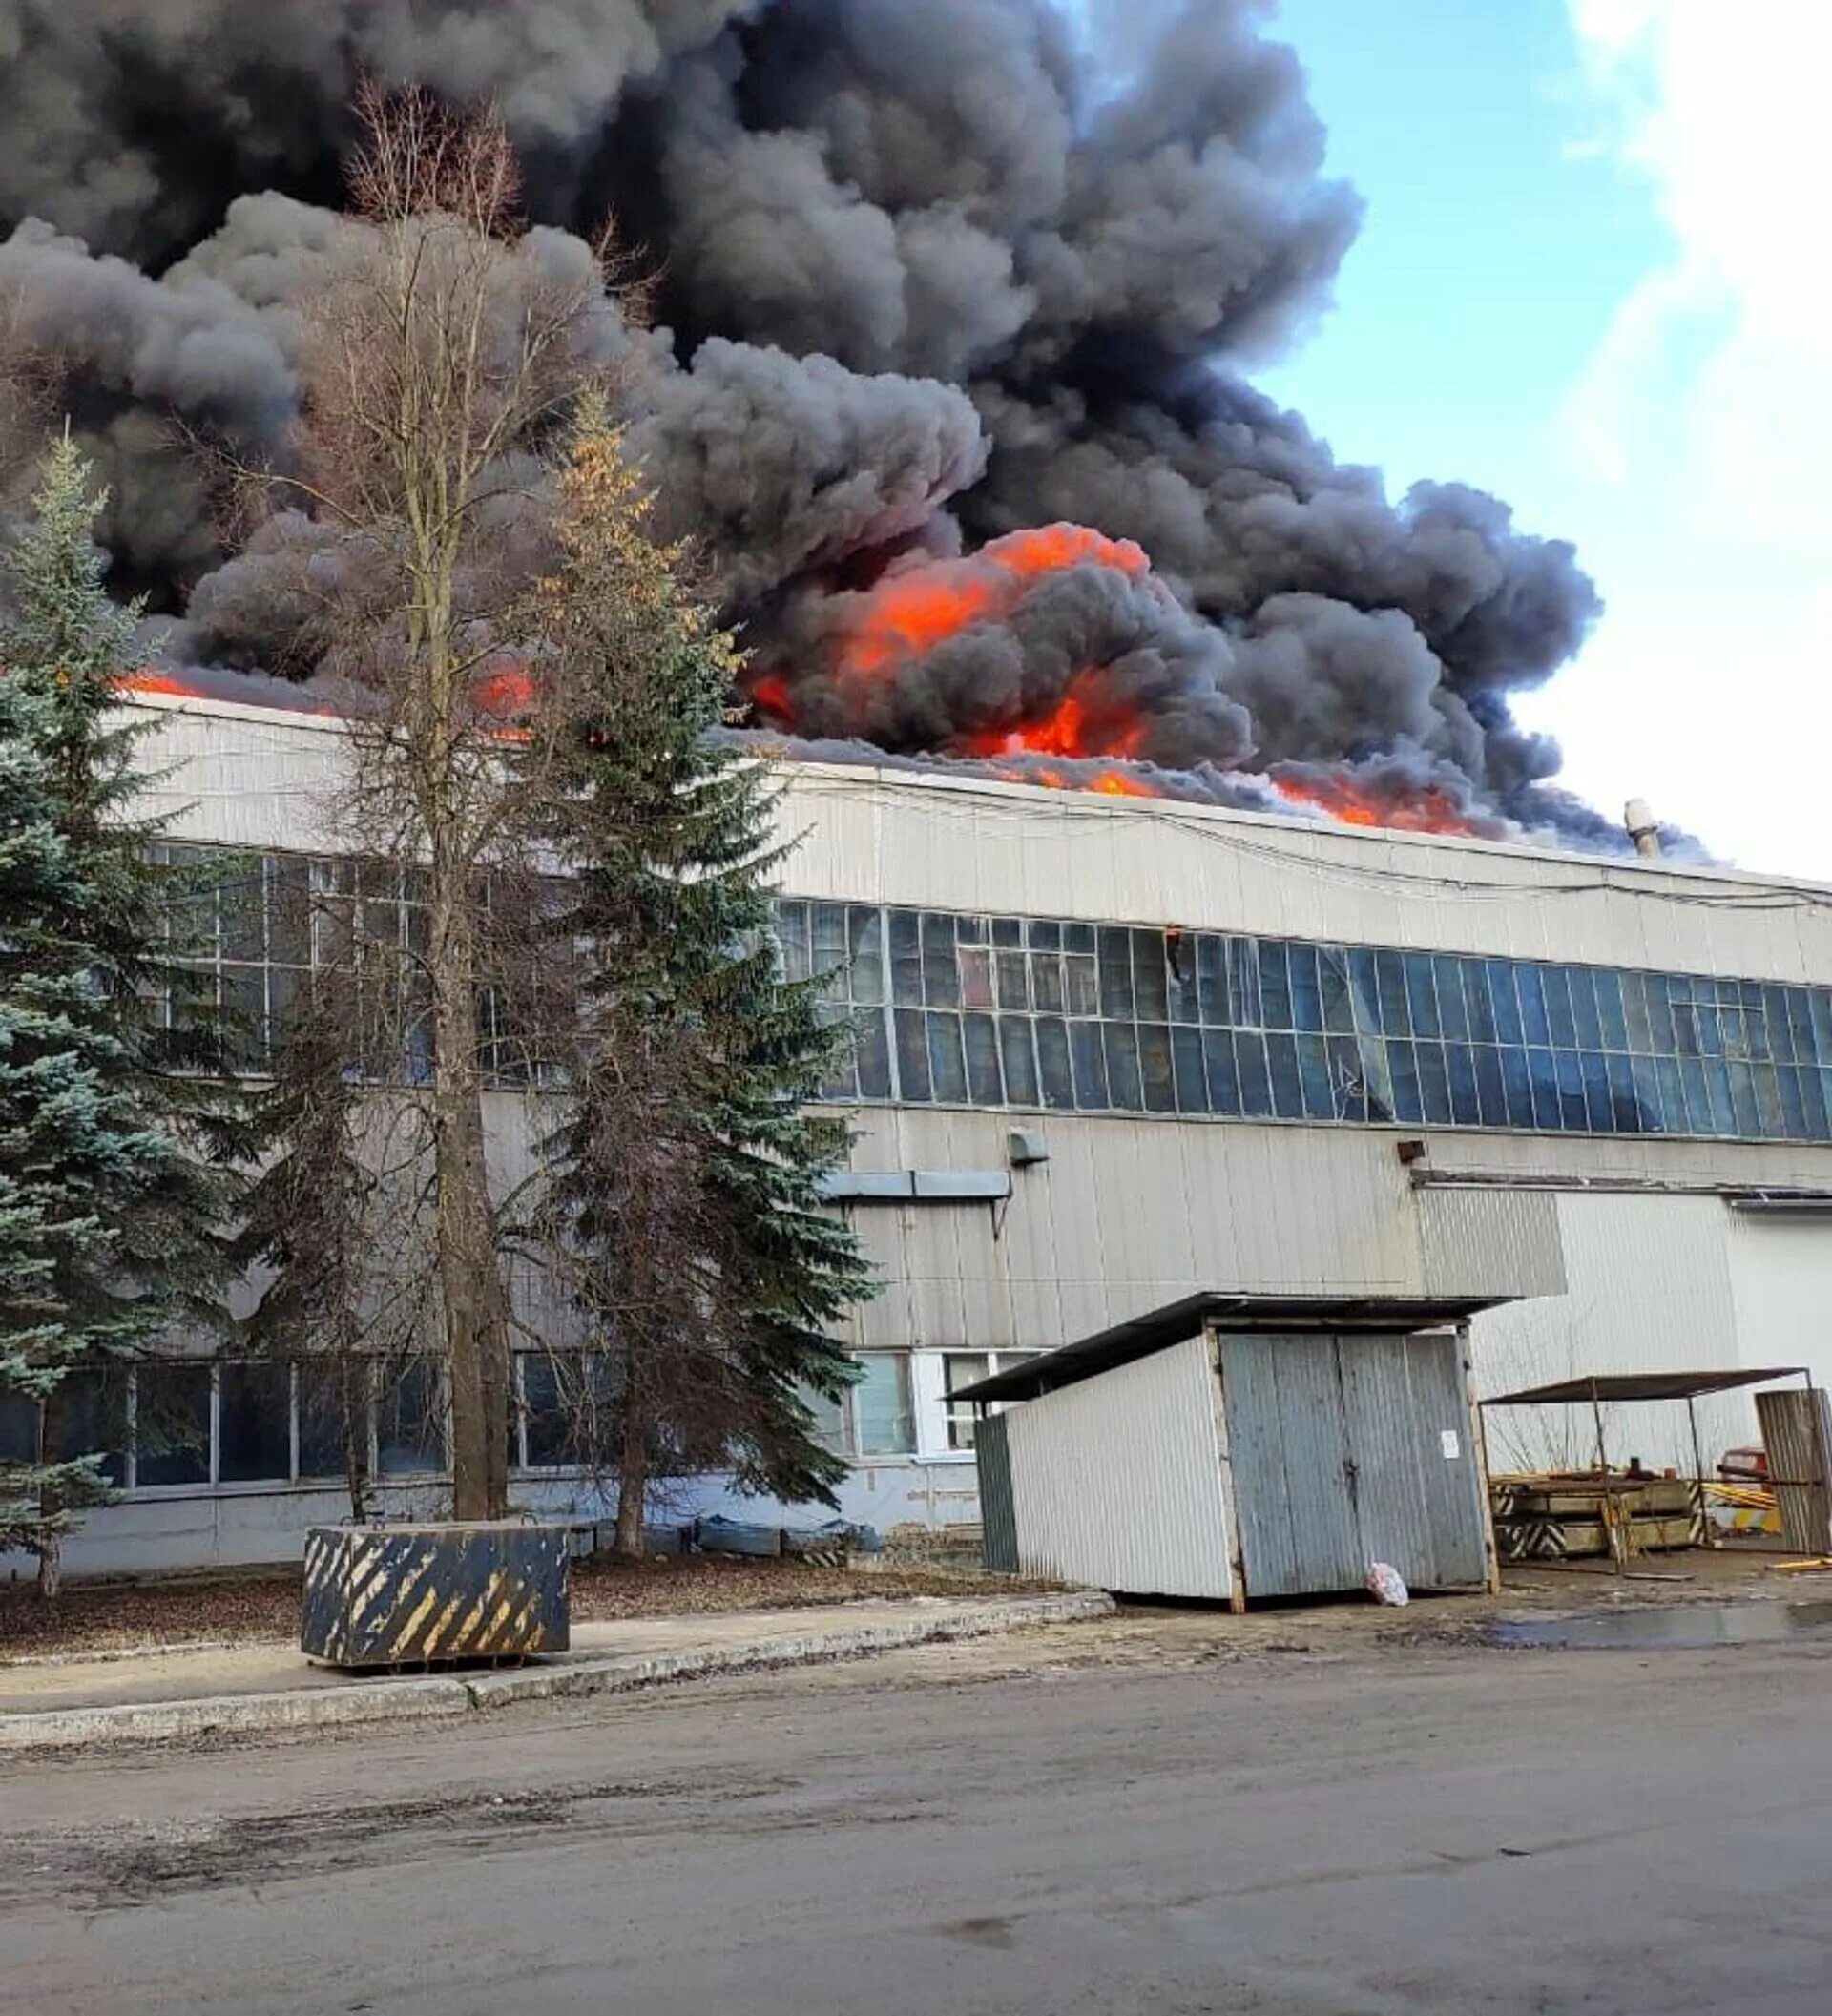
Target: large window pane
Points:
(565, 1413)
(1053, 1060)
(1281, 1065)
(1115, 973)
(985, 1086)
(18, 1429)
(976, 976)
(1313, 1073)
(1218, 1066)
(1186, 1058)
(1348, 1079)
(1466, 1107)
(1531, 983)
(941, 974)
(873, 1054)
(1453, 1017)
(1080, 983)
(1403, 1069)
(333, 1411)
(912, 1058)
(1434, 1084)
(905, 958)
(1120, 1042)
(1421, 994)
(409, 1435)
(1149, 996)
(865, 936)
(1307, 988)
(946, 1065)
(93, 1412)
(1275, 985)
(1179, 978)
(1492, 1094)
(1256, 1084)
(1155, 1068)
(1019, 1057)
(172, 1424)
(1212, 979)
(253, 1424)
(1389, 972)
(883, 1420)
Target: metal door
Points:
(1289, 1458)
(1348, 1450)
(1415, 1480)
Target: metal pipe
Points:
(1643, 828)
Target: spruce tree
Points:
(114, 1183)
(683, 1186)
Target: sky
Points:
(1592, 279)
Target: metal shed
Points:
(1234, 1446)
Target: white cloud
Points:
(1701, 433)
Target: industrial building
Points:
(1117, 1052)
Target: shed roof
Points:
(1141, 1335)
(1639, 1386)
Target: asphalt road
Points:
(1118, 1818)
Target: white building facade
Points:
(1114, 1053)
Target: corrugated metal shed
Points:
(1117, 1481)
(1280, 1451)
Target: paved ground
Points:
(1124, 1818)
(189, 1673)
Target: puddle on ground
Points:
(1683, 1627)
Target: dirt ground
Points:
(262, 1605)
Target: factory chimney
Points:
(1645, 833)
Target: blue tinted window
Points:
(1161, 1020)
(1090, 1063)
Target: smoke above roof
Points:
(936, 280)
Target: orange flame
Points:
(909, 614)
(770, 696)
(147, 680)
(1355, 802)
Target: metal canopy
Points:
(1140, 1335)
(1639, 1386)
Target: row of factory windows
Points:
(196, 1424)
(1034, 1012)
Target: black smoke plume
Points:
(929, 274)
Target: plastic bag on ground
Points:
(1386, 1584)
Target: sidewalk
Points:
(202, 1690)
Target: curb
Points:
(443, 1696)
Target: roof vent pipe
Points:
(1643, 829)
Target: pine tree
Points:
(115, 1181)
(310, 1221)
(684, 1184)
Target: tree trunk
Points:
(633, 1480)
(51, 1549)
(470, 1289)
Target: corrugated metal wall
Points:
(1491, 1241)
(1648, 1289)
(1781, 1280)
(1117, 1480)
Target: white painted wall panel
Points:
(1781, 1280)
(1117, 1480)
(1649, 1289)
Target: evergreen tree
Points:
(683, 1186)
(114, 1171)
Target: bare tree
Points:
(437, 363)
